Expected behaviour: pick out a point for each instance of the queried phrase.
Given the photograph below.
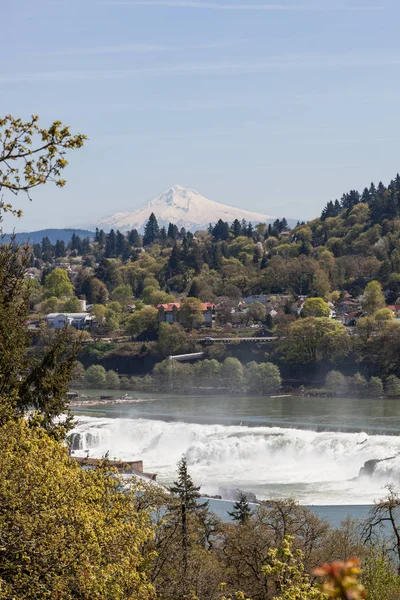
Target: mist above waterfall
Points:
(315, 467)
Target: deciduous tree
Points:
(95, 376)
(112, 380)
(191, 313)
(315, 307)
(313, 339)
(58, 284)
(142, 320)
(373, 298)
(66, 532)
(31, 155)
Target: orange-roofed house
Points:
(169, 313)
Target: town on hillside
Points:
(312, 304)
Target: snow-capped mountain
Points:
(179, 205)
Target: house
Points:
(123, 467)
(347, 306)
(78, 320)
(256, 298)
(396, 309)
(169, 313)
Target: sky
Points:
(276, 107)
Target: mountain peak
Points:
(182, 206)
(177, 194)
(178, 189)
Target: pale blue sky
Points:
(276, 107)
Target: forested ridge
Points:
(355, 240)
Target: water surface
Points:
(311, 449)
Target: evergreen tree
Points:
(94, 290)
(377, 202)
(120, 244)
(391, 203)
(37, 251)
(60, 250)
(187, 495)
(349, 200)
(163, 236)
(39, 380)
(220, 230)
(276, 228)
(174, 261)
(195, 289)
(338, 209)
(216, 257)
(110, 250)
(236, 228)
(305, 248)
(107, 272)
(173, 232)
(269, 322)
(134, 238)
(332, 209)
(151, 231)
(327, 211)
(86, 247)
(372, 192)
(241, 512)
(76, 243)
(366, 196)
(102, 238)
(196, 259)
(47, 249)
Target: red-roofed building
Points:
(395, 308)
(169, 313)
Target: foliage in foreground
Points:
(65, 532)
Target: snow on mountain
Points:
(179, 205)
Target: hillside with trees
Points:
(325, 287)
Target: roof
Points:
(171, 305)
(82, 315)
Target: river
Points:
(310, 449)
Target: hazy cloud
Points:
(143, 48)
(272, 64)
(238, 7)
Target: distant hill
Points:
(181, 206)
(35, 237)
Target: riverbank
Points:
(334, 515)
(85, 401)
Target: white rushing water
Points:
(314, 467)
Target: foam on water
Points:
(314, 467)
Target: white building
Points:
(78, 320)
